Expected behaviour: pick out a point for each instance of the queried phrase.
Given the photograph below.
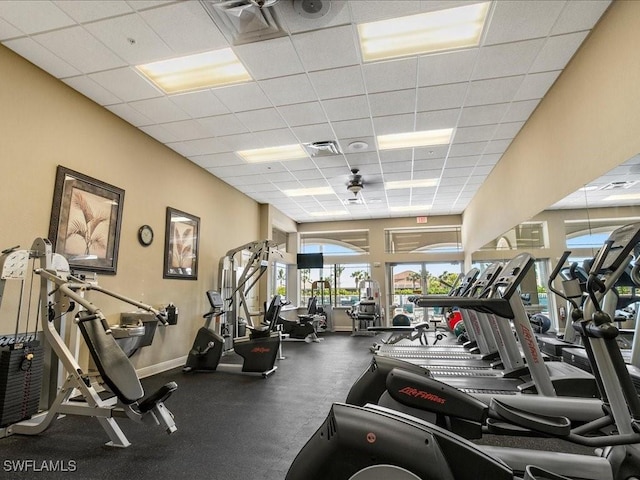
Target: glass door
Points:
(424, 278)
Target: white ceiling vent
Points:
(245, 21)
(322, 149)
(619, 185)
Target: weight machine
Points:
(236, 282)
(76, 394)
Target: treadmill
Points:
(502, 303)
(496, 346)
(465, 283)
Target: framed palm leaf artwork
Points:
(86, 216)
(181, 245)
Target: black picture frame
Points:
(86, 218)
(182, 236)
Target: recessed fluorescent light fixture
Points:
(410, 208)
(627, 196)
(328, 214)
(273, 154)
(415, 139)
(302, 192)
(588, 188)
(422, 183)
(196, 72)
(449, 29)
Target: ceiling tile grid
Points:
(311, 85)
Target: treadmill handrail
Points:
(497, 306)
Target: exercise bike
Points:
(259, 350)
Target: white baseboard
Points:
(161, 367)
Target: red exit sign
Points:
(421, 219)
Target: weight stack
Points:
(20, 383)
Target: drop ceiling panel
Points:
(515, 20)
(160, 109)
(349, 108)
(263, 119)
(507, 59)
(482, 115)
(190, 16)
(557, 51)
(390, 75)
(338, 82)
(313, 133)
(441, 97)
(536, 85)
(92, 90)
(353, 128)
(466, 149)
(392, 103)
(125, 84)
(131, 39)
(90, 11)
(240, 98)
(578, 16)
(270, 58)
(8, 31)
(497, 90)
(273, 138)
(303, 114)
(222, 125)
(187, 130)
(80, 49)
(474, 134)
(217, 160)
(40, 56)
(199, 104)
(507, 130)
(520, 111)
(288, 90)
(437, 119)
(443, 68)
(160, 133)
(362, 13)
(30, 20)
(129, 114)
(395, 124)
(338, 48)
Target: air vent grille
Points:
(619, 185)
(323, 148)
(242, 21)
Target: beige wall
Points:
(587, 124)
(44, 123)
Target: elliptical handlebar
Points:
(554, 275)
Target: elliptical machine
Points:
(259, 350)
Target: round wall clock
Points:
(145, 235)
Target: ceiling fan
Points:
(356, 182)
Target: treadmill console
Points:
(623, 241)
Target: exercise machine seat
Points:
(115, 367)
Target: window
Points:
(353, 242)
(431, 278)
(525, 236)
(280, 238)
(279, 280)
(342, 284)
(423, 240)
(592, 233)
